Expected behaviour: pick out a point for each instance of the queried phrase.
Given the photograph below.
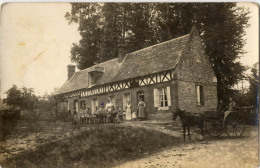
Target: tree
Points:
(221, 27)
(253, 92)
(87, 15)
(138, 25)
(103, 26)
(13, 97)
(23, 98)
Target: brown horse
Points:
(187, 119)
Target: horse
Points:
(187, 119)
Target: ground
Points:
(130, 144)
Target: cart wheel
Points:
(213, 128)
(234, 124)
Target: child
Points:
(134, 116)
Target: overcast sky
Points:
(36, 41)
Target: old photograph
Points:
(129, 85)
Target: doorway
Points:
(140, 95)
(76, 105)
(94, 105)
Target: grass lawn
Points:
(97, 145)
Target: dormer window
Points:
(95, 74)
(91, 79)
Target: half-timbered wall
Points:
(152, 112)
(155, 78)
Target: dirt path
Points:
(209, 153)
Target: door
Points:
(94, 105)
(76, 105)
(140, 95)
(126, 98)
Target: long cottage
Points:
(170, 75)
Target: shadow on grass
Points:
(97, 146)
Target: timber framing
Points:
(150, 79)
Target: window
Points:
(162, 98)
(91, 79)
(140, 95)
(126, 98)
(199, 95)
(134, 83)
(215, 80)
(82, 104)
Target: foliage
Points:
(105, 25)
(47, 107)
(40, 107)
(23, 98)
(13, 97)
(253, 92)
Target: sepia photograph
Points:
(129, 85)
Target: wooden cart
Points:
(231, 122)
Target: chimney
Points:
(121, 52)
(71, 71)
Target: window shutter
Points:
(124, 102)
(198, 95)
(201, 96)
(156, 98)
(169, 96)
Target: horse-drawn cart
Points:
(231, 122)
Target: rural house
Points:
(170, 75)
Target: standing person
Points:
(128, 111)
(88, 115)
(109, 109)
(75, 116)
(140, 108)
(81, 115)
(102, 113)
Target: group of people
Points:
(109, 113)
(130, 114)
(222, 108)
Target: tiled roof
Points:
(80, 79)
(156, 58)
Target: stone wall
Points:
(194, 69)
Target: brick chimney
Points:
(71, 71)
(121, 52)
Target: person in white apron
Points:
(109, 109)
(128, 111)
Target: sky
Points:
(35, 43)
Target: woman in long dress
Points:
(141, 108)
(128, 111)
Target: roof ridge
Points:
(97, 64)
(162, 43)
